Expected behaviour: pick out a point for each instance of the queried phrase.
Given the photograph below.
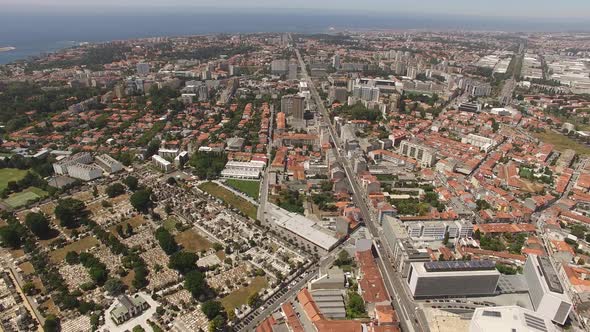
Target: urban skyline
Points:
(531, 9)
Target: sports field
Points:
(248, 187)
(10, 174)
(20, 199)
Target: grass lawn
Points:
(239, 297)
(10, 174)
(230, 198)
(170, 224)
(17, 200)
(192, 241)
(248, 187)
(562, 142)
(59, 255)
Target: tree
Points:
(29, 288)
(195, 283)
(208, 165)
(38, 224)
(10, 237)
(166, 241)
(140, 278)
(355, 307)
(477, 234)
(141, 200)
(72, 258)
(138, 328)
(482, 205)
(171, 181)
(343, 258)
(70, 212)
(52, 324)
(114, 286)
(131, 182)
(253, 299)
(446, 238)
(212, 309)
(217, 324)
(183, 262)
(115, 190)
(98, 274)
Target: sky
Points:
(532, 9)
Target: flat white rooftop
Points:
(301, 226)
(509, 318)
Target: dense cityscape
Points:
(354, 180)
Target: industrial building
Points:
(545, 289)
(453, 279)
(108, 163)
(243, 169)
(509, 318)
(304, 232)
(330, 302)
(61, 166)
(84, 172)
(333, 279)
(483, 143)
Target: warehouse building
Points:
(453, 279)
(108, 163)
(243, 169)
(545, 289)
(84, 172)
(61, 167)
(304, 232)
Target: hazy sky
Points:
(554, 9)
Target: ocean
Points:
(33, 34)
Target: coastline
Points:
(7, 49)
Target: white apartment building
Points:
(545, 289)
(161, 163)
(423, 154)
(436, 230)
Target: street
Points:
(405, 304)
